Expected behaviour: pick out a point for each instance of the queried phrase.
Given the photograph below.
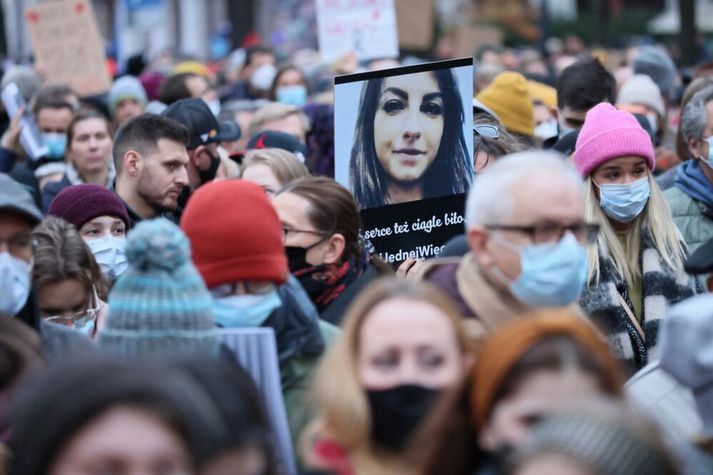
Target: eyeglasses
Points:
(549, 233)
(79, 319)
(254, 287)
(17, 245)
(286, 231)
(487, 131)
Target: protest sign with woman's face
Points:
(409, 142)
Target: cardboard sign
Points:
(365, 27)
(469, 38)
(404, 148)
(67, 45)
(415, 23)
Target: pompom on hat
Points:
(160, 305)
(609, 133)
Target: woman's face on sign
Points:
(408, 125)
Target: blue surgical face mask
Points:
(709, 160)
(293, 95)
(109, 253)
(14, 283)
(56, 144)
(624, 202)
(235, 311)
(552, 275)
(87, 328)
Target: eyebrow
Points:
(396, 91)
(432, 95)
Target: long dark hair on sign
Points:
(450, 172)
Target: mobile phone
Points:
(30, 136)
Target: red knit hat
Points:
(235, 234)
(79, 204)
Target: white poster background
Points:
(366, 27)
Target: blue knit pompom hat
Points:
(160, 306)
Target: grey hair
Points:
(490, 196)
(695, 114)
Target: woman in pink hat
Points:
(636, 268)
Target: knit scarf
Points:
(326, 282)
(661, 288)
(692, 181)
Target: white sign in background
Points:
(366, 27)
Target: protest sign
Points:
(415, 23)
(404, 148)
(468, 39)
(365, 27)
(67, 45)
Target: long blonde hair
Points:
(337, 391)
(655, 216)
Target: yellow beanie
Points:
(542, 93)
(191, 67)
(509, 98)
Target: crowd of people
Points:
(185, 288)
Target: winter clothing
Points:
(655, 393)
(691, 204)
(126, 87)
(320, 138)
(508, 96)
(332, 287)
(606, 445)
(71, 177)
(507, 345)
(276, 139)
(485, 307)
(542, 93)
(159, 304)
(686, 343)
(640, 89)
(14, 197)
(701, 261)
(203, 128)
(655, 63)
(244, 239)
(608, 133)
(301, 340)
(78, 204)
(661, 287)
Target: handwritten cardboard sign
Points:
(67, 45)
(365, 27)
(415, 23)
(469, 38)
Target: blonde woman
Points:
(272, 168)
(403, 345)
(636, 268)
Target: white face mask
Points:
(263, 76)
(109, 254)
(214, 107)
(14, 283)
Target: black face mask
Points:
(209, 175)
(397, 411)
(297, 256)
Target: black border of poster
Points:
(417, 229)
(403, 70)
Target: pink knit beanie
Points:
(610, 133)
